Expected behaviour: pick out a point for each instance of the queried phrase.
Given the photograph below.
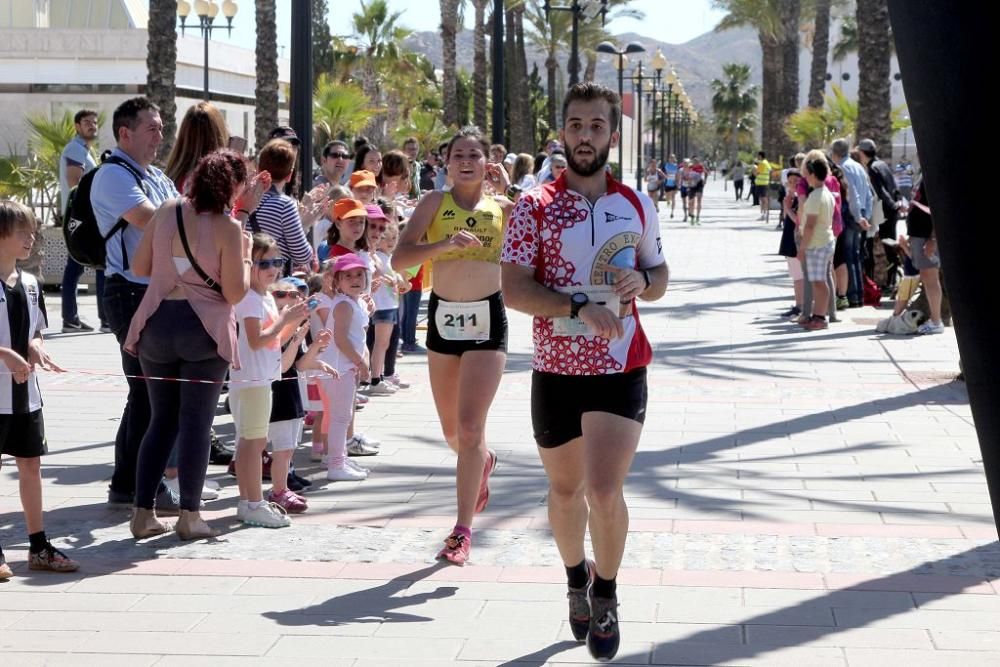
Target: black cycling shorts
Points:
(497, 333)
(558, 402)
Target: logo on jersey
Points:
(611, 217)
(470, 222)
(659, 246)
(620, 251)
(448, 214)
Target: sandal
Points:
(5, 571)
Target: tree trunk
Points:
(266, 109)
(449, 30)
(510, 63)
(874, 99)
(479, 67)
(551, 69)
(820, 54)
(790, 10)
(525, 141)
(161, 67)
(590, 71)
(771, 77)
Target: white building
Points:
(64, 55)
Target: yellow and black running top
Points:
(486, 223)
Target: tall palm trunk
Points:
(590, 71)
(551, 71)
(479, 66)
(522, 121)
(820, 54)
(790, 10)
(161, 67)
(510, 64)
(449, 31)
(266, 109)
(771, 108)
(874, 50)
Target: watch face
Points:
(579, 297)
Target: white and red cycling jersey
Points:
(568, 241)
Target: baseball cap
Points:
(375, 212)
(362, 178)
(348, 262)
(510, 159)
(298, 283)
(349, 208)
(284, 132)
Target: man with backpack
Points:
(125, 192)
(77, 160)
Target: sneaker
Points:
(76, 327)
(399, 382)
(579, 606)
(358, 446)
(351, 464)
(288, 501)
(105, 327)
(167, 502)
(212, 484)
(267, 515)
(794, 311)
(293, 484)
(175, 487)
(345, 474)
(603, 636)
(456, 549)
(52, 560)
(842, 303)
(300, 479)
(120, 499)
(855, 304)
(220, 454)
(360, 399)
(5, 571)
(484, 486)
(930, 327)
(815, 323)
(382, 389)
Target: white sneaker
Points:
(931, 327)
(211, 484)
(398, 382)
(360, 437)
(358, 447)
(351, 464)
(268, 515)
(345, 474)
(207, 493)
(360, 399)
(382, 389)
(242, 507)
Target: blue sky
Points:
(674, 21)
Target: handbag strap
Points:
(187, 251)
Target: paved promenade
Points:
(798, 498)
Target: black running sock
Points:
(604, 588)
(577, 576)
(37, 542)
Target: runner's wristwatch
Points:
(577, 301)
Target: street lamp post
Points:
(637, 80)
(207, 11)
(658, 63)
(589, 9)
(671, 80)
(620, 60)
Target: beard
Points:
(589, 169)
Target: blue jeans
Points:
(70, 281)
(852, 248)
(408, 323)
(121, 300)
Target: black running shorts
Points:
(497, 333)
(558, 402)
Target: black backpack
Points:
(83, 237)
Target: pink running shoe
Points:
(484, 485)
(291, 502)
(456, 549)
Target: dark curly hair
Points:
(215, 179)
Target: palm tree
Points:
(874, 53)
(763, 16)
(266, 109)
(161, 67)
(847, 42)
(521, 122)
(820, 53)
(732, 100)
(593, 32)
(449, 32)
(479, 64)
(547, 35)
(322, 40)
(339, 110)
(789, 11)
(381, 40)
(818, 126)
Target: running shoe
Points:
(842, 303)
(5, 571)
(456, 549)
(579, 605)
(351, 464)
(484, 485)
(77, 326)
(794, 311)
(52, 560)
(398, 381)
(289, 501)
(359, 447)
(604, 635)
(815, 324)
(345, 474)
(930, 327)
(382, 389)
(267, 515)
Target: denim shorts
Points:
(390, 315)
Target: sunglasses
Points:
(276, 263)
(379, 228)
(286, 294)
(338, 156)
